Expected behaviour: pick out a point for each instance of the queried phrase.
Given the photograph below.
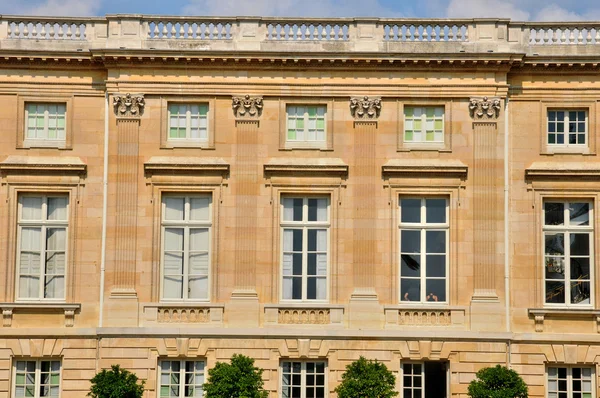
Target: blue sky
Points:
(538, 10)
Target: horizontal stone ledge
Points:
(68, 309)
(42, 164)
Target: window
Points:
(303, 379)
(425, 380)
(424, 124)
(306, 124)
(305, 228)
(181, 378)
(188, 122)
(567, 127)
(45, 121)
(43, 222)
(570, 382)
(568, 267)
(36, 378)
(423, 249)
(186, 240)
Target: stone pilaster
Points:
(364, 303)
(487, 206)
(244, 308)
(123, 297)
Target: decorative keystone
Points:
(365, 108)
(129, 105)
(7, 314)
(247, 107)
(484, 108)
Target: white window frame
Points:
(303, 376)
(422, 375)
(182, 375)
(569, 368)
(45, 140)
(305, 141)
(38, 375)
(186, 224)
(423, 227)
(566, 132)
(44, 224)
(568, 229)
(305, 225)
(423, 133)
(188, 127)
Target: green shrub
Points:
(367, 379)
(116, 383)
(240, 379)
(498, 382)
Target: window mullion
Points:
(182, 378)
(188, 123)
(303, 380)
(38, 377)
(43, 256)
(305, 263)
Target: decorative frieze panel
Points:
(365, 108)
(183, 315)
(247, 107)
(429, 317)
(8, 310)
(484, 108)
(129, 105)
(306, 316)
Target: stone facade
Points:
(497, 83)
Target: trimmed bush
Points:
(498, 382)
(116, 383)
(367, 379)
(240, 378)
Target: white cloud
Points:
(554, 12)
(304, 8)
(486, 9)
(54, 7)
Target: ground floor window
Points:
(36, 378)
(181, 378)
(570, 382)
(303, 379)
(425, 380)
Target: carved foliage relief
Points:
(484, 108)
(247, 106)
(129, 105)
(365, 107)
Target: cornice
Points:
(43, 165)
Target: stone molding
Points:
(41, 164)
(129, 106)
(8, 310)
(365, 108)
(300, 314)
(540, 314)
(484, 108)
(183, 313)
(425, 316)
(247, 107)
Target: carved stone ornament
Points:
(129, 105)
(247, 107)
(484, 108)
(365, 108)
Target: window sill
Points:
(425, 314)
(27, 144)
(182, 313)
(304, 313)
(306, 148)
(188, 144)
(551, 151)
(433, 147)
(39, 307)
(540, 314)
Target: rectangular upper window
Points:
(42, 247)
(188, 122)
(36, 378)
(568, 244)
(186, 227)
(303, 379)
(570, 382)
(181, 378)
(423, 249)
(567, 127)
(424, 124)
(45, 122)
(305, 257)
(306, 124)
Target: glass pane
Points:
(174, 208)
(31, 208)
(580, 292)
(410, 241)
(198, 287)
(410, 289)
(57, 208)
(555, 244)
(554, 213)
(410, 210)
(435, 290)
(435, 210)
(436, 266)
(555, 292)
(579, 213)
(199, 238)
(199, 208)
(580, 268)
(317, 209)
(580, 244)
(435, 241)
(410, 265)
(174, 239)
